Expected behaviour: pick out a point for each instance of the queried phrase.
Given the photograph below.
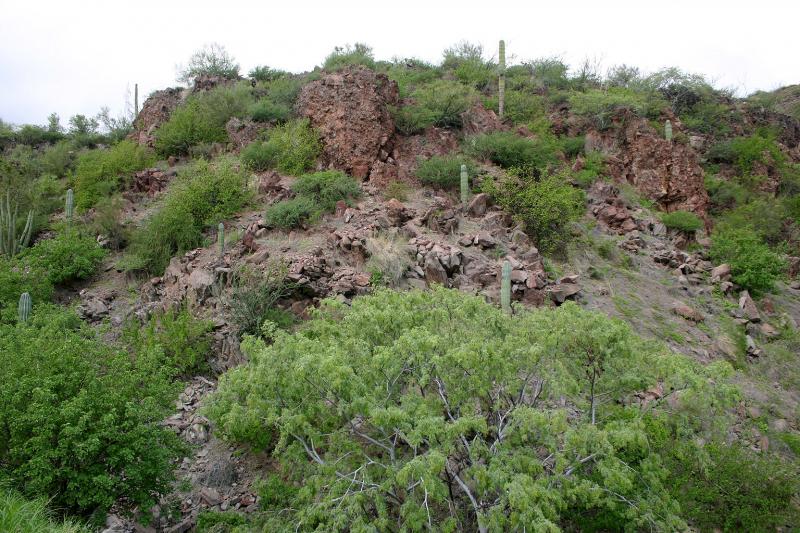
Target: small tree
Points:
(211, 60)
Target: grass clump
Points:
(508, 150)
(439, 103)
(291, 148)
(388, 259)
(348, 55)
(266, 110)
(254, 298)
(684, 221)
(315, 194)
(21, 515)
(444, 171)
(100, 172)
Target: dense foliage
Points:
(441, 412)
(753, 265)
(68, 256)
(100, 172)
(684, 221)
(291, 148)
(315, 194)
(444, 171)
(509, 150)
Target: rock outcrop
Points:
(155, 111)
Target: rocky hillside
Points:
(389, 296)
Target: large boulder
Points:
(350, 110)
(155, 111)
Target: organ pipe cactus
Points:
(501, 84)
(221, 239)
(505, 288)
(668, 130)
(70, 205)
(464, 184)
(10, 242)
(24, 308)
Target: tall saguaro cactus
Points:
(464, 184)
(668, 130)
(69, 208)
(10, 242)
(24, 308)
(221, 239)
(505, 288)
(135, 100)
(501, 84)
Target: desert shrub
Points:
(345, 56)
(283, 91)
(684, 221)
(58, 159)
(508, 150)
(521, 107)
(291, 148)
(399, 190)
(186, 127)
(81, 418)
(753, 265)
(211, 60)
(265, 73)
(764, 215)
(466, 62)
(410, 73)
(709, 117)
(203, 195)
(66, 257)
(108, 222)
(20, 515)
(182, 340)
(457, 402)
(255, 295)
(444, 171)
(593, 168)
(573, 146)
(549, 73)
(725, 194)
(443, 101)
(100, 172)
(17, 277)
(388, 257)
(315, 194)
(412, 118)
(266, 110)
(219, 522)
(599, 106)
(546, 206)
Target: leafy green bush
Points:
(211, 60)
(546, 206)
(600, 105)
(444, 171)
(202, 195)
(746, 152)
(66, 257)
(57, 159)
(356, 54)
(753, 265)
(684, 221)
(255, 295)
(466, 62)
(81, 419)
(219, 522)
(19, 515)
(593, 168)
(410, 73)
(266, 110)
(265, 73)
(17, 277)
(521, 107)
(442, 102)
(450, 401)
(573, 146)
(291, 148)
(725, 194)
(508, 150)
(100, 172)
(410, 119)
(315, 194)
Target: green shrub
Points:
(593, 168)
(266, 110)
(265, 73)
(291, 148)
(82, 419)
(753, 265)
(746, 152)
(441, 103)
(254, 297)
(219, 522)
(211, 60)
(684, 221)
(109, 221)
(203, 195)
(465, 61)
(283, 91)
(17, 277)
(444, 171)
(442, 396)
(100, 172)
(356, 54)
(410, 73)
(521, 107)
(507, 149)
(66, 257)
(573, 146)
(546, 206)
(725, 194)
(58, 159)
(399, 190)
(600, 105)
(315, 194)
(18, 515)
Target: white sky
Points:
(76, 56)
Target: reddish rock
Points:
(350, 110)
(155, 111)
(409, 151)
(477, 206)
(478, 119)
(397, 212)
(243, 132)
(747, 305)
(687, 312)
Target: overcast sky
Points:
(74, 57)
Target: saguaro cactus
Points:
(10, 242)
(501, 84)
(221, 238)
(24, 308)
(135, 100)
(69, 208)
(668, 130)
(505, 288)
(464, 184)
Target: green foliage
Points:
(439, 103)
(399, 190)
(725, 194)
(356, 54)
(546, 206)
(599, 106)
(254, 297)
(593, 168)
(684, 221)
(203, 195)
(443, 398)
(108, 221)
(521, 107)
(180, 341)
(211, 60)
(548, 73)
(219, 522)
(746, 152)
(32, 135)
(410, 73)
(292, 213)
(291, 148)
(508, 150)
(266, 110)
(315, 194)
(265, 73)
(573, 146)
(465, 61)
(58, 159)
(753, 265)
(80, 418)
(100, 172)
(19, 515)
(388, 258)
(444, 171)
(17, 277)
(66, 257)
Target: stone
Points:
(748, 307)
(210, 496)
(768, 331)
(721, 273)
(561, 292)
(726, 287)
(478, 205)
(571, 278)
(485, 240)
(687, 312)
(397, 212)
(200, 282)
(434, 271)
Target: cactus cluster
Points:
(668, 130)
(24, 308)
(464, 184)
(221, 239)
(505, 288)
(501, 84)
(10, 242)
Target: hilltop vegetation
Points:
(239, 233)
